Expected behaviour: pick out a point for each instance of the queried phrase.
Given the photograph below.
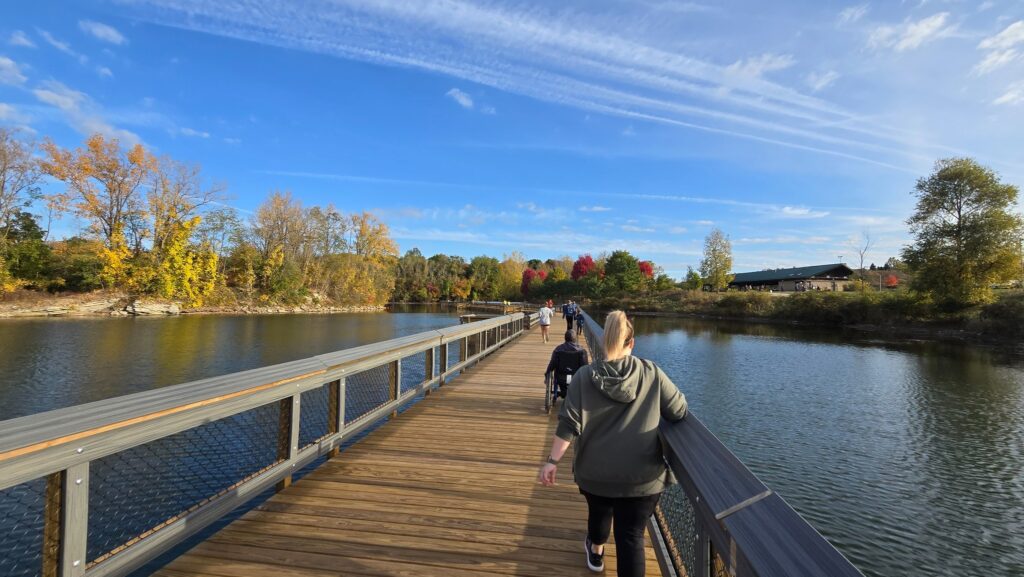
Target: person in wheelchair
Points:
(566, 359)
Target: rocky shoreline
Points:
(123, 306)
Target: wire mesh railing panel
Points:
(678, 523)
(366, 391)
(22, 508)
(413, 367)
(314, 415)
(137, 490)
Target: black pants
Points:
(568, 321)
(630, 515)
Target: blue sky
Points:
(551, 128)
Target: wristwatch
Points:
(551, 461)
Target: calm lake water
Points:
(48, 363)
(908, 456)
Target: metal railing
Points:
(100, 489)
(721, 519)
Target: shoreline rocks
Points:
(123, 306)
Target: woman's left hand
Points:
(547, 473)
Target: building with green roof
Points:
(822, 277)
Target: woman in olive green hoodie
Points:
(612, 409)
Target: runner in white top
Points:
(545, 321)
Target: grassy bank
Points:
(1002, 319)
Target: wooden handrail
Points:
(39, 444)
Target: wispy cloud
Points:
(464, 100)
(81, 112)
(801, 212)
(911, 34)
(10, 73)
(19, 38)
(635, 228)
(820, 81)
(102, 31)
(1014, 95)
(677, 230)
(595, 208)
(569, 60)
(194, 133)
(1001, 49)
(62, 46)
(757, 66)
(8, 113)
(852, 14)
(104, 72)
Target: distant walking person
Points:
(545, 321)
(569, 314)
(579, 320)
(612, 410)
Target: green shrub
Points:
(745, 304)
(1004, 317)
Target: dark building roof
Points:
(796, 273)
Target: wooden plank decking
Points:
(447, 489)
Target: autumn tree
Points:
(582, 267)
(717, 262)
(103, 182)
(965, 232)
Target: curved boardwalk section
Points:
(446, 489)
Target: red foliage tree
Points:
(646, 268)
(542, 274)
(891, 281)
(528, 276)
(582, 267)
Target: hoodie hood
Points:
(618, 380)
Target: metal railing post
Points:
(335, 411)
(428, 368)
(395, 382)
(442, 367)
(66, 522)
(288, 434)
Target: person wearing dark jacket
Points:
(612, 411)
(570, 347)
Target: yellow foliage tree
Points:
(114, 256)
(103, 184)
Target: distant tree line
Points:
(155, 226)
(152, 226)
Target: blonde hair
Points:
(617, 332)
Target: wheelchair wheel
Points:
(548, 401)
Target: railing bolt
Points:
(78, 481)
(77, 562)
(80, 449)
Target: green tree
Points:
(483, 275)
(622, 272)
(413, 277)
(965, 233)
(28, 257)
(694, 281)
(717, 262)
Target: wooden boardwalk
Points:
(447, 489)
